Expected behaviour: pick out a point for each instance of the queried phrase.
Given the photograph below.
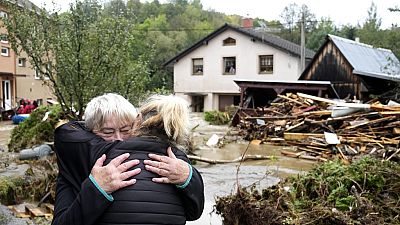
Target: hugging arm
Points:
(81, 208)
(178, 170)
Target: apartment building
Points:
(18, 77)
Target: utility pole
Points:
(302, 44)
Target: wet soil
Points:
(219, 180)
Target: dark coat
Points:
(147, 202)
(78, 201)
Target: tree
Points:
(292, 16)
(79, 54)
(317, 37)
(370, 31)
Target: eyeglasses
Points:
(108, 131)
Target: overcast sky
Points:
(342, 12)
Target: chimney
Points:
(247, 23)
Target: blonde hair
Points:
(166, 114)
(109, 105)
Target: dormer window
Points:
(229, 41)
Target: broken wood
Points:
(371, 122)
(300, 136)
(292, 100)
(216, 161)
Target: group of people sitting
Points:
(24, 109)
(26, 106)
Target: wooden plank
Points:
(300, 136)
(49, 207)
(317, 113)
(385, 107)
(330, 101)
(18, 212)
(34, 211)
(387, 113)
(371, 122)
(292, 100)
(294, 126)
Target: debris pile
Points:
(322, 128)
(364, 192)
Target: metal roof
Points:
(367, 60)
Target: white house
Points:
(204, 73)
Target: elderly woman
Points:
(163, 122)
(156, 197)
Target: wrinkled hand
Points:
(171, 169)
(113, 176)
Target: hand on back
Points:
(115, 174)
(171, 169)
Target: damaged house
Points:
(353, 68)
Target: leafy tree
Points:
(370, 31)
(79, 54)
(317, 36)
(292, 16)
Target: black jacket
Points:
(147, 202)
(78, 201)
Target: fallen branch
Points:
(216, 161)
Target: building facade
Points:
(18, 77)
(204, 74)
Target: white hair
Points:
(166, 113)
(109, 105)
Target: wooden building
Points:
(354, 69)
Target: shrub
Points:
(217, 117)
(33, 130)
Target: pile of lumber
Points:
(323, 128)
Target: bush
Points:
(33, 130)
(217, 117)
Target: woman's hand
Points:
(113, 176)
(171, 169)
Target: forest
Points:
(121, 46)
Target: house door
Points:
(6, 95)
(197, 103)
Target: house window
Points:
(266, 64)
(197, 66)
(230, 65)
(3, 38)
(37, 74)
(22, 62)
(3, 14)
(229, 41)
(5, 51)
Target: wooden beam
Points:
(330, 101)
(300, 136)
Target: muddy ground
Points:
(219, 180)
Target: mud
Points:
(220, 179)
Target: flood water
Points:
(219, 179)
